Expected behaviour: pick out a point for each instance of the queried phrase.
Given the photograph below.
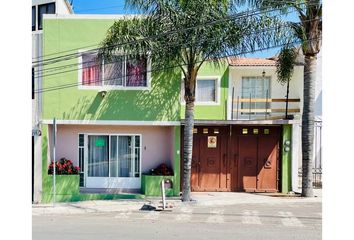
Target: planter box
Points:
(66, 186)
(151, 185)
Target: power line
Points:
(99, 44)
(89, 51)
(59, 87)
(103, 8)
(234, 15)
(124, 56)
(231, 17)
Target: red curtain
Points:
(136, 73)
(91, 72)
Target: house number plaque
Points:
(212, 142)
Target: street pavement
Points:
(251, 216)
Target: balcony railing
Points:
(263, 108)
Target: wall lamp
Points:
(103, 93)
(263, 73)
(287, 146)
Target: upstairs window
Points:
(33, 18)
(206, 91)
(136, 72)
(48, 8)
(91, 70)
(117, 72)
(255, 87)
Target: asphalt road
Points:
(295, 221)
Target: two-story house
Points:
(39, 8)
(119, 120)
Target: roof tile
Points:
(235, 61)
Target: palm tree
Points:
(285, 69)
(185, 34)
(309, 32)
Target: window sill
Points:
(106, 88)
(203, 103)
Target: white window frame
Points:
(217, 90)
(114, 182)
(112, 87)
(269, 92)
(78, 155)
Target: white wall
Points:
(318, 90)
(60, 6)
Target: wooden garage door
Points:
(257, 153)
(246, 160)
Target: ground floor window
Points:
(113, 156)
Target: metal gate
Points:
(317, 163)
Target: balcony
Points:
(264, 108)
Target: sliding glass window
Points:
(114, 156)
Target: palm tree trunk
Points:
(308, 125)
(188, 147)
(287, 99)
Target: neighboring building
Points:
(130, 120)
(39, 8)
(318, 125)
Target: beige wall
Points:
(276, 89)
(157, 142)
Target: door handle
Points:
(235, 159)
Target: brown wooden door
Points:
(267, 163)
(248, 162)
(209, 159)
(245, 161)
(256, 150)
(195, 164)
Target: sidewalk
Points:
(199, 199)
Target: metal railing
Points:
(251, 108)
(317, 163)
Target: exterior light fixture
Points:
(263, 73)
(287, 145)
(103, 93)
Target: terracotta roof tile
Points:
(235, 61)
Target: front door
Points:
(113, 161)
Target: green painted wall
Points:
(286, 161)
(150, 185)
(161, 103)
(213, 112)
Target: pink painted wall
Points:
(157, 142)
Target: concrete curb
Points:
(205, 199)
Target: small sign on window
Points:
(100, 142)
(212, 142)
